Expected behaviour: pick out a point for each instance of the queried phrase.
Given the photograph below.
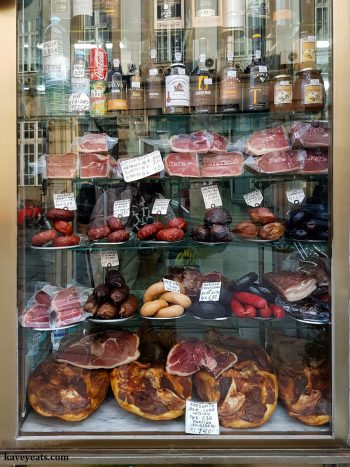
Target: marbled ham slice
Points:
(223, 165)
(220, 144)
(62, 165)
(316, 162)
(310, 135)
(199, 142)
(93, 142)
(280, 162)
(182, 164)
(94, 166)
(268, 140)
(188, 357)
(106, 349)
(37, 316)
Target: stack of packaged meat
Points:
(202, 154)
(54, 307)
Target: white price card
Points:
(202, 418)
(211, 196)
(142, 167)
(210, 292)
(109, 258)
(295, 196)
(65, 201)
(171, 286)
(121, 208)
(160, 206)
(255, 198)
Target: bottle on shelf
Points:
(305, 51)
(202, 83)
(257, 86)
(177, 82)
(109, 13)
(98, 62)
(154, 85)
(135, 91)
(56, 68)
(82, 17)
(233, 14)
(79, 100)
(61, 8)
(116, 88)
(230, 79)
(206, 8)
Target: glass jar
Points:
(281, 93)
(309, 92)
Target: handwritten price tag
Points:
(202, 418)
(211, 196)
(142, 167)
(160, 206)
(255, 198)
(65, 201)
(210, 292)
(78, 102)
(121, 208)
(295, 196)
(109, 258)
(171, 286)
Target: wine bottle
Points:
(177, 82)
(135, 90)
(202, 84)
(82, 17)
(257, 88)
(206, 8)
(154, 85)
(116, 93)
(230, 78)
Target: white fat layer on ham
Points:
(293, 294)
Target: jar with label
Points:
(309, 91)
(281, 93)
(306, 51)
(98, 98)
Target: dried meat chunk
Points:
(268, 140)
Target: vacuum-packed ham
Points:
(278, 162)
(182, 164)
(93, 142)
(222, 165)
(199, 142)
(62, 165)
(94, 166)
(316, 162)
(268, 140)
(310, 135)
(219, 144)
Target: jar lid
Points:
(283, 76)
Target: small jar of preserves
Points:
(309, 92)
(281, 93)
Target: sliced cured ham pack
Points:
(314, 134)
(200, 142)
(276, 162)
(266, 141)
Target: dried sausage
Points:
(44, 237)
(63, 227)
(67, 240)
(114, 223)
(118, 236)
(60, 215)
(96, 233)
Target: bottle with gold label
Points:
(116, 96)
(135, 91)
(281, 93)
(309, 91)
(257, 88)
(153, 75)
(230, 83)
(202, 83)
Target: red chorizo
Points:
(118, 236)
(147, 232)
(67, 240)
(170, 235)
(60, 215)
(63, 227)
(114, 223)
(179, 223)
(96, 233)
(44, 237)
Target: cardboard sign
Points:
(295, 196)
(211, 196)
(109, 258)
(160, 206)
(171, 286)
(121, 208)
(65, 201)
(210, 292)
(202, 418)
(254, 199)
(141, 167)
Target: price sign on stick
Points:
(202, 418)
(254, 199)
(109, 258)
(171, 286)
(295, 196)
(65, 201)
(210, 292)
(121, 208)
(160, 206)
(142, 167)
(211, 196)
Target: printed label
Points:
(262, 69)
(142, 167)
(171, 286)
(81, 85)
(210, 292)
(295, 196)
(121, 208)
(313, 94)
(56, 68)
(211, 196)
(82, 7)
(177, 90)
(254, 199)
(202, 418)
(109, 258)
(308, 50)
(153, 72)
(283, 94)
(136, 85)
(160, 206)
(233, 13)
(65, 201)
(78, 102)
(208, 81)
(231, 74)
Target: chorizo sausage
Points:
(63, 227)
(118, 236)
(170, 235)
(114, 223)
(44, 237)
(147, 232)
(67, 240)
(96, 233)
(60, 215)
